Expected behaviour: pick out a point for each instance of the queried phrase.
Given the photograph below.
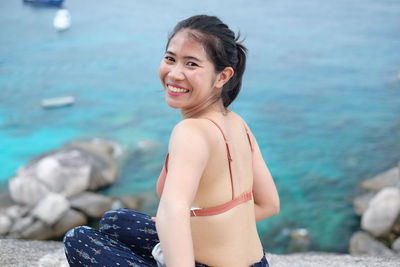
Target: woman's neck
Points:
(216, 108)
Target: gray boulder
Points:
(5, 224)
(299, 240)
(363, 243)
(91, 204)
(17, 211)
(21, 224)
(396, 245)
(37, 230)
(361, 202)
(69, 220)
(40, 230)
(389, 178)
(99, 156)
(26, 189)
(70, 170)
(132, 202)
(64, 172)
(5, 201)
(51, 208)
(382, 211)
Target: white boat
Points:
(62, 20)
(58, 102)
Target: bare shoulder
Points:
(190, 126)
(191, 132)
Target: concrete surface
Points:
(24, 253)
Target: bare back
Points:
(232, 233)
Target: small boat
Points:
(62, 20)
(58, 102)
(45, 2)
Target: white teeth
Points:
(177, 90)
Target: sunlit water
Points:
(320, 93)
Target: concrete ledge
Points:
(24, 253)
(322, 259)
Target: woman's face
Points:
(186, 73)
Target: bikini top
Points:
(236, 200)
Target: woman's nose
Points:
(176, 72)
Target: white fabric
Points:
(158, 256)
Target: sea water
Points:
(321, 94)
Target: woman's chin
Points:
(174, 104)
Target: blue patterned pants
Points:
(125, 238)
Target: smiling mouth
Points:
(177, 89)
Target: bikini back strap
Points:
(248, 137)
(229, 156)
(224, 207)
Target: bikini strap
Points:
(248, 136)
(229, 155)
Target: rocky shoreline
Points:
(55, 191)
(379, 208)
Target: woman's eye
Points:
(191, 64)
(168, 58)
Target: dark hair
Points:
(221, 46)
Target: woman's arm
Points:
(188, 156)
(266, 198)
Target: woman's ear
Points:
(223, 77)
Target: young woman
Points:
(214, 185)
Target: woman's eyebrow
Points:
(186, 57)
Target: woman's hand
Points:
(153, 219)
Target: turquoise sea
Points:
(321, 94)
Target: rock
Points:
(104, 168)
(5, 224)
(48, 169)
(27, 190)
(132, 202)
(300, 240)
(70, 170)
(65, 171)
(91, 204)
(70, 177)
(21, 224)
(382, 211)
(363, 243)
(5, 201)
(389, 178)
(98, 146)
(361, 202)
(13, 235)
(117, 204)
(51, 208)
(69, 220)
(396, 245)
(15, 212)
(148, 146)
(38, 230)
(75, 173)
